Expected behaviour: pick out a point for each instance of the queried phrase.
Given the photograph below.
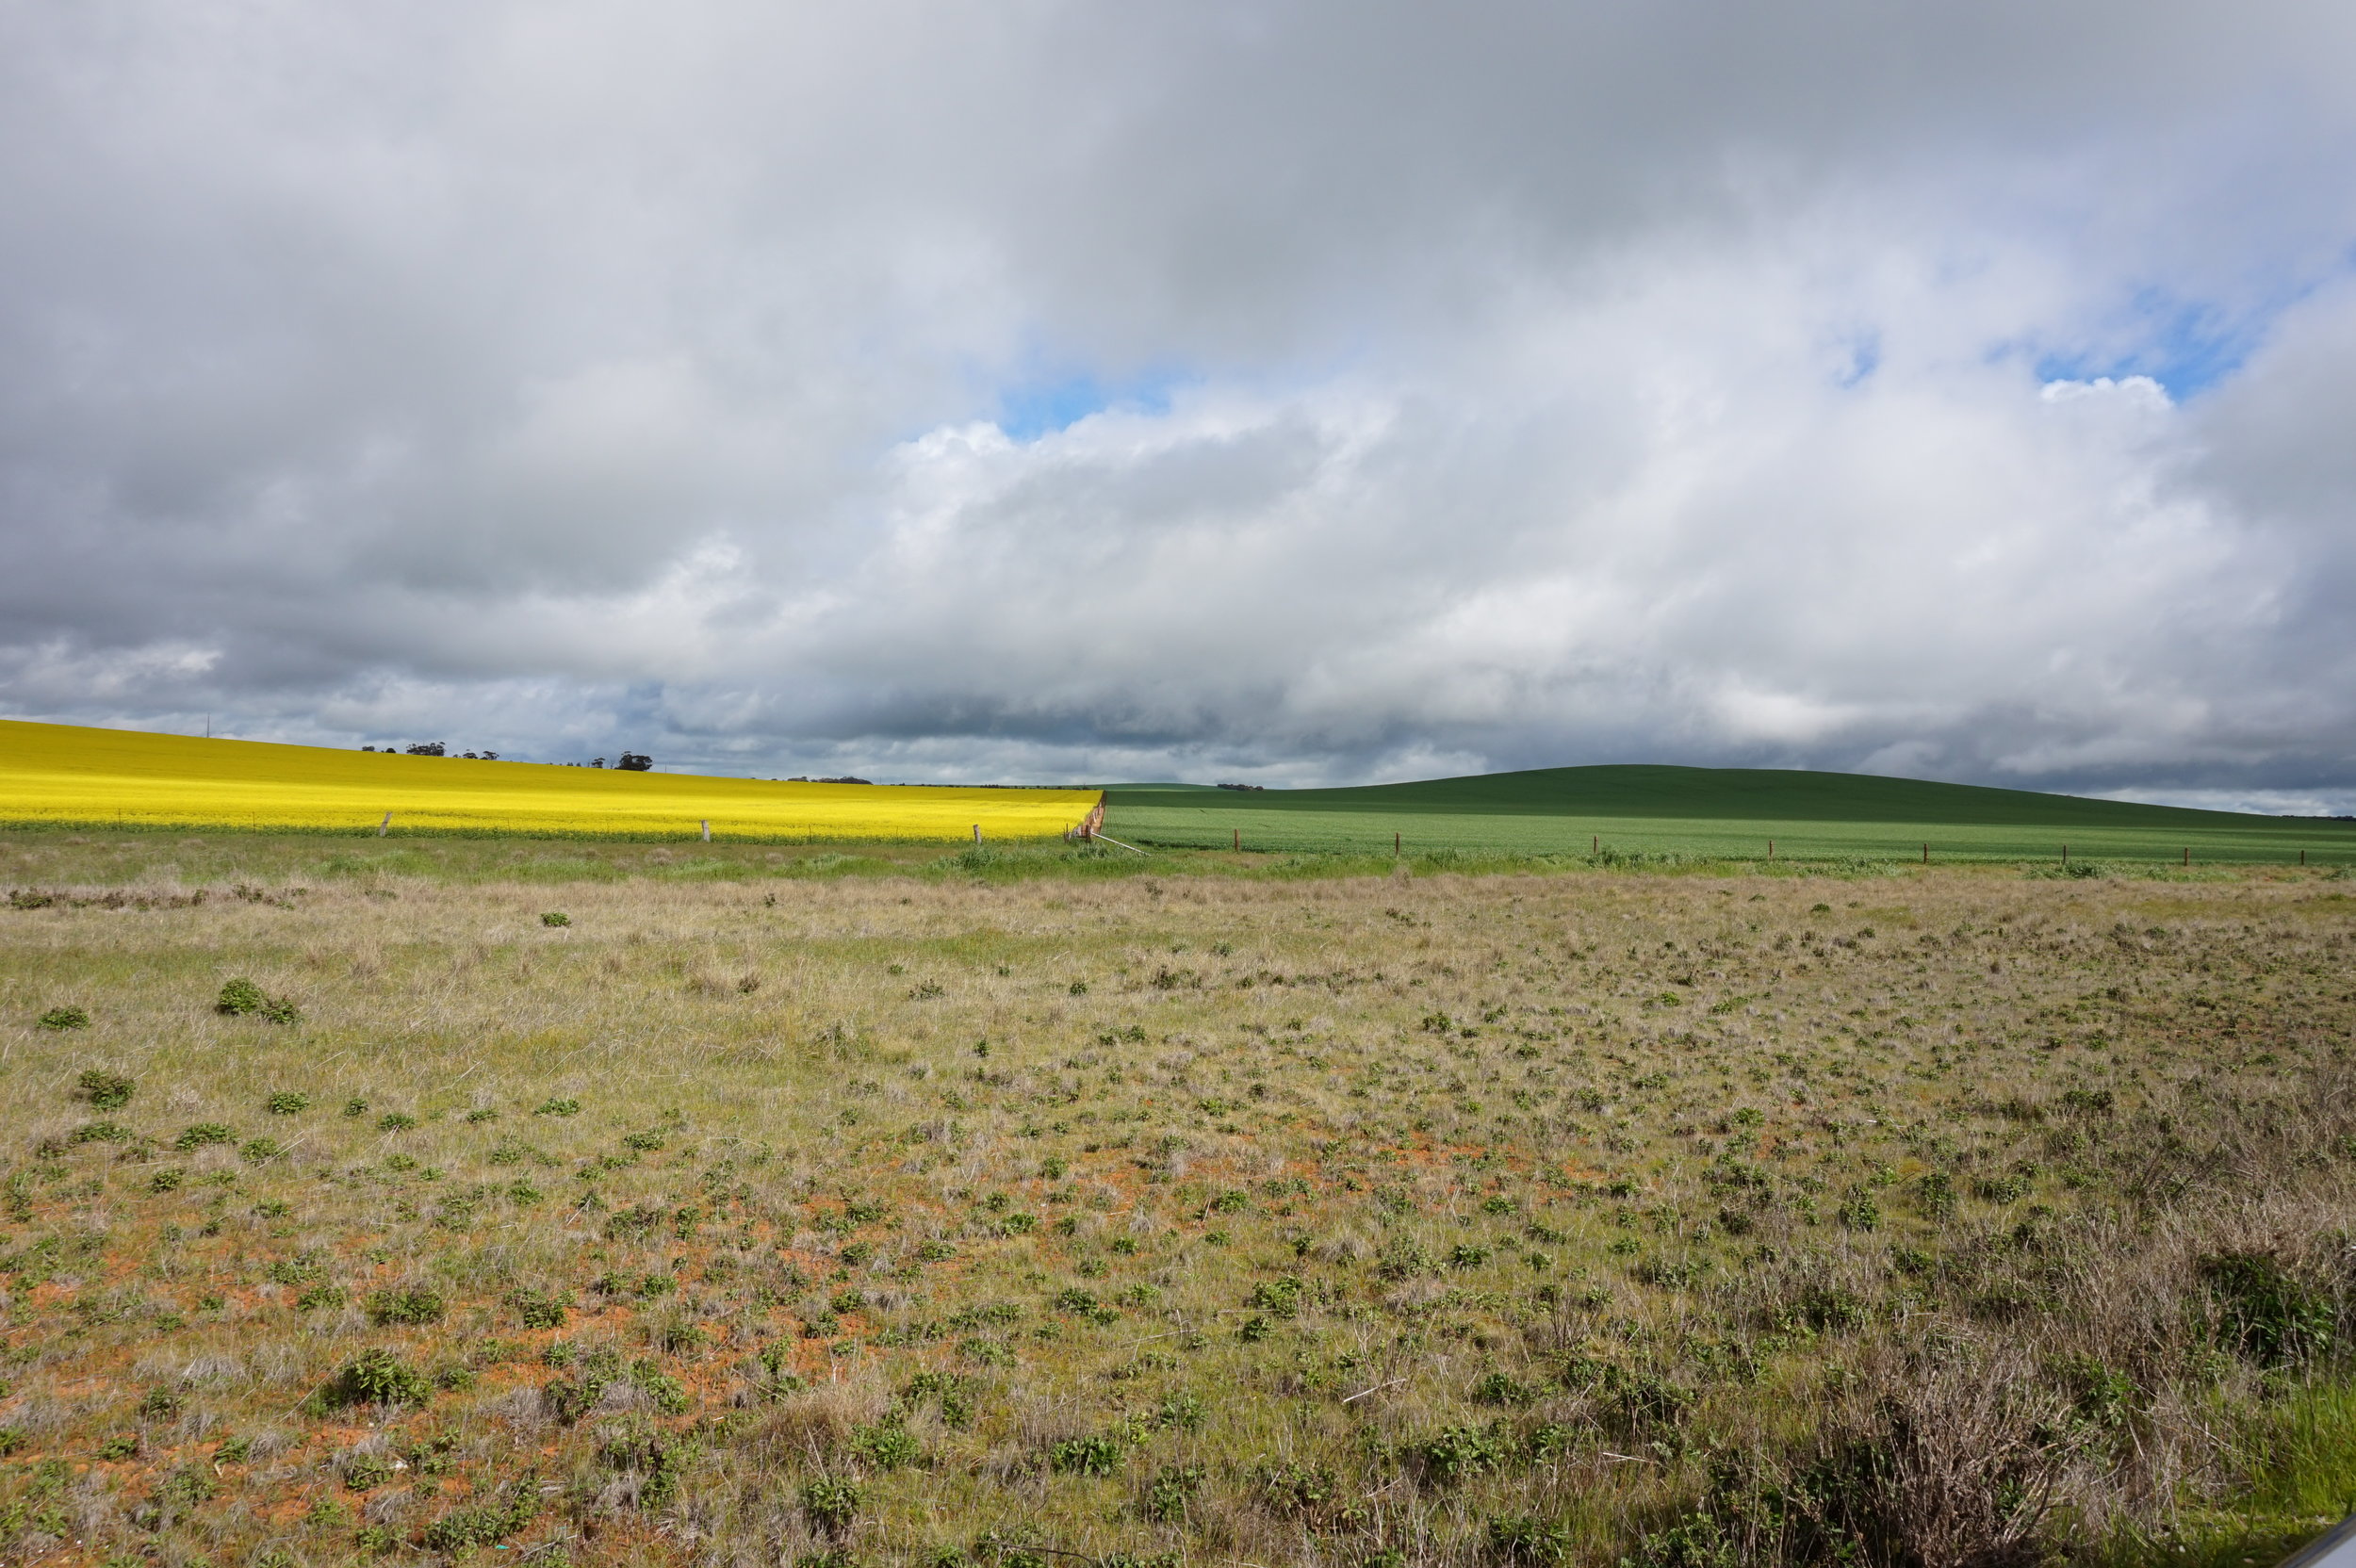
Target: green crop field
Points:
(1731, 813)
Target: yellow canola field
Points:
(61, 774)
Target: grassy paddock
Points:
(31, 858)
(918, 1209)
(1370, 832)
(1715, 814)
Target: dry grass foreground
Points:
(1941, 1220)
(67, 774)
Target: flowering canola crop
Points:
(62, 773)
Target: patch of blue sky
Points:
(1865, 358)
(1034, 409)
(2187, 346)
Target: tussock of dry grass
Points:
(1428, 1219)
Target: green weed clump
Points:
(832, 1502)
(461, 1528)
(239, 996)
(242, 998)
(104, 1091)
(376, 1377)
(414, 1306)
(2265, 1311)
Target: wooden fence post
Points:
(386, 823)
(1926, 854)
(977, 832)
(707, 822)
(1238, 833)
(2302, 854)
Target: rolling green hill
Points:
(1713, 811)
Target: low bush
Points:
(484, 1525)
(1520, 1538)
(831, 1503)
(887, 1446)
(375, 1377)
(1459, 1453)
(415, 1306)
(106, 1091)
(2265, 1312)
(1099, 1454)
(1169, 1492)
(538, 1309)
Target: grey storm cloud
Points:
(1302, 392)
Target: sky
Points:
(1293, 393)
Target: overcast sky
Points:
(1291, 392)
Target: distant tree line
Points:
(632, 761)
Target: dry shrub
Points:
(1345, 1247)
(809, 1429)
(524, 1408)
(1967, 1459)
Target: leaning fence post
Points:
(386, 823)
